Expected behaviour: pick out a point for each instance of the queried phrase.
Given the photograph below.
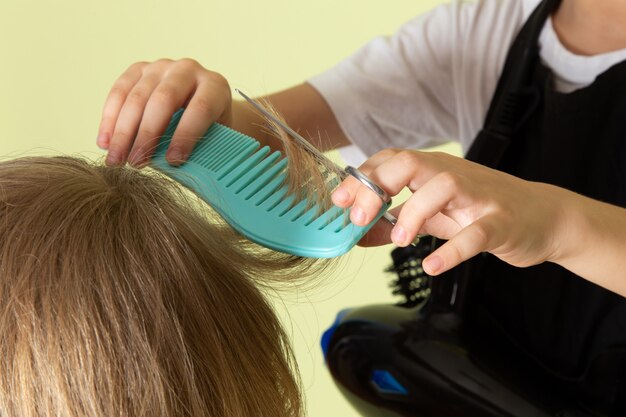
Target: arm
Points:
(142, 101)
(593, 241)
(303, 108)
(479, 209)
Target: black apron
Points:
(572, 328)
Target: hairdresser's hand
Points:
(478, 209)
(143, 100)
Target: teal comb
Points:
(246, 185)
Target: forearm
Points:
(303, 108)
(592, 241)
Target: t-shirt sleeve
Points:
(428, 83)
(395, 91)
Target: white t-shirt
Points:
(433, 80)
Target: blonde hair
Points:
(119, 296)
(310, 176)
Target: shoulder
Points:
(473, 14)
(463, 38)
(474, 38)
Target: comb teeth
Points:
(262, 174)
(233, 173)
(268, 183)
(325, 219)
(221, 152)
(247, 185)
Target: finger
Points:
(344, 195)
(393, 171)
(440, 226)
(366, 206)
(167, 97)
(377, 159)
(425, 203)
(406, 168)
(476, 238)
(210, 103)
(129, 118)
(114, 101)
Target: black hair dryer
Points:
(425, 357)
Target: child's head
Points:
(119, 297)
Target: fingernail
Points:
(340, 196)
(103, 140)
(357, 215)
(398, 235)
(432, 264)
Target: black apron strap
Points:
(515, 98)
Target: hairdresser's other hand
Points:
(478, 209)
(143, 100)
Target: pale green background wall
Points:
(59, 58)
